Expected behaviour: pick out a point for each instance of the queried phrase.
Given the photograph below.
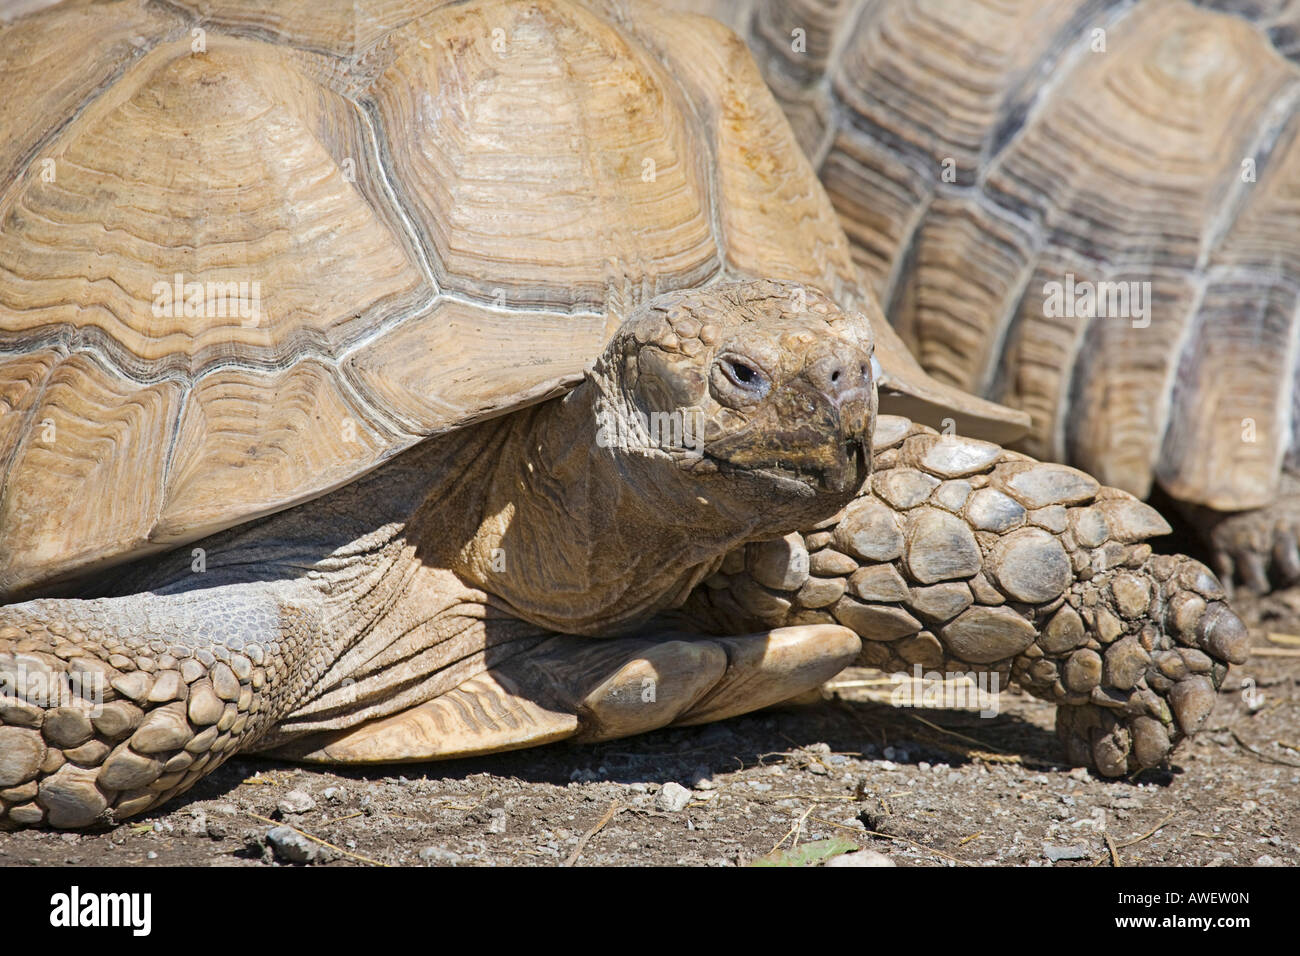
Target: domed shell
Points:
(247, 256)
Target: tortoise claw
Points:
(717, 678)
(766, 669)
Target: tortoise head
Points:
(759, 393)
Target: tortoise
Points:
(393, 382)
(989, 159)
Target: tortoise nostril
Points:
(833, 375)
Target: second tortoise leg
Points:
(962, 556)
(1259, 548)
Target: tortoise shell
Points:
(249, 254)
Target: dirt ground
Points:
(926, 787)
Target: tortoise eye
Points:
(742, 380)
(741, 373)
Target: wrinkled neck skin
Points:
(585, 539)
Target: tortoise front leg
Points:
(964, 557)
(111, 706)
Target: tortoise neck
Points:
(569, 539)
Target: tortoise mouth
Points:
(824, 471)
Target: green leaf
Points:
(809, 854)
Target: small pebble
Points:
(296, 801)
(1075, 852)
(291, 846)
(673, 797)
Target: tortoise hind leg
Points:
(109, 707)
(590, 690)
(1259, 548)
